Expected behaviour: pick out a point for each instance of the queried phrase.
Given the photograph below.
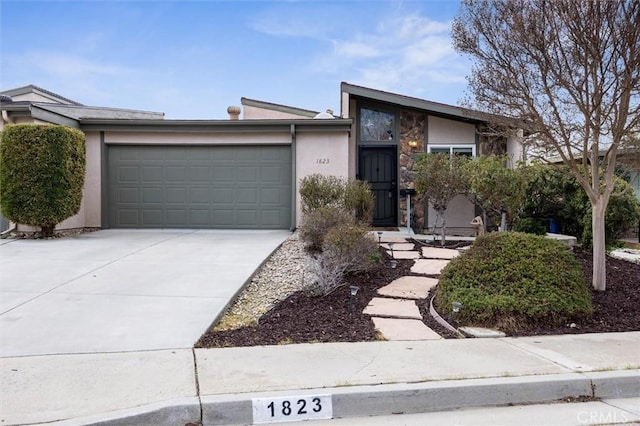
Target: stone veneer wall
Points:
(412, 128)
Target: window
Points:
(464, 150)
(376, 126)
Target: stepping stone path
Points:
(396, 315)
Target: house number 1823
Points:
(270, 410)
(322, 161)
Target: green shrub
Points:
(328, 201)
(317, 222)
(531, 225)
(41, 174)
(359, 199)
(552, 192)
(319, 191)
(623, 212)
(514, 281)
(347, 249)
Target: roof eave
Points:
(218, 126)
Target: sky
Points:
(193, 59)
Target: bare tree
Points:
(569, 70)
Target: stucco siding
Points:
(154, 138)
(443, 131)
(326, 154)
(458, 215)
(92, 192)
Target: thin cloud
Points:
(409, 53)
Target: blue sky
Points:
(192, 59)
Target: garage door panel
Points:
(200, 174)
(126, 195)
(152, 174)
(199, 218)
(223, 218)
(152, 217)
(128, 174)
(152, 195)
(200, 186)
(223, 175)
(248, 174)
(199, 196)
(176, 174)
(248, 218)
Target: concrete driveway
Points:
(122, 290)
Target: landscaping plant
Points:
(514, 281)
(42, 172)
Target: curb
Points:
(383, 399)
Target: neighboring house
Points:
(144, 171)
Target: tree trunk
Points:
(503, 220)
(47, 230)
(444, 229)
(599, 248)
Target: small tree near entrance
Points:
(41, 174)
(440, 178)
(570, 71)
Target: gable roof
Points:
(64, 111)
(32, 88)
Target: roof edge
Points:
(278, 107)
(32, 88)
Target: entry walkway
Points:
(394, 312)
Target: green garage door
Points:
(233, 187)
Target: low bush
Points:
(320, 191)
(347, 249)
(317, 222)
(358, 199)
(514, 281)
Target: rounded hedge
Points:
(42, 172)
(514, 281)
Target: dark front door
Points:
(378, 167)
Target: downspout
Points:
(294, 205)
(5, 117)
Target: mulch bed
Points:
(304, 319)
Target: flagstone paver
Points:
(409, 287)
(429, 266)
(404, 254)
(404, 329)
(397, 308)
(399, 246)
(439, 253)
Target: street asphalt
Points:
(99, 329)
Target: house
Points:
(145, 171)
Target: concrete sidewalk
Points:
(225, 386)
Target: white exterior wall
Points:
(326, 154)
(515, 149)
(450, 132)
(461, 211)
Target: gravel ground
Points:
(284, 273)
